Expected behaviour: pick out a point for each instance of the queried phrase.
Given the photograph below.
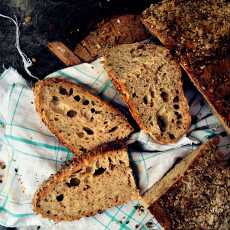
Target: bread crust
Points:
(38, 88)
(122, 89)
(159, 213)
(124, 29)
(193, 78)
(206, 83)
(154, 204)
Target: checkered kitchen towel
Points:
(31, 153)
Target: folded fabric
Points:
(31, 153)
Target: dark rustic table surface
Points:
(48, 20)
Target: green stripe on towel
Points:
(35, 143)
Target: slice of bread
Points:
(195, 193)
(86, 187)
(80, 120)
(197, 32)
(116, 30)
(83, 53)
(150, 82)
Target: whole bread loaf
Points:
(88, 186)
(113, 31)
(150, 82)
(197, 33)
(80, 120)
(195, 193)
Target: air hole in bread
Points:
(70, 91)
(121, 162)
(77, 98)
(176, 106)
(110, 160)
(176, 99)
(56, 119)
(86, 187)
(134, 95)
(178, 115)
(88, 131)
(85, 102)
(55, 100)
(111, 166)
(113, 129)
(48, 212)
(161, 121)
(171, 136)
(151, 93)
(93, 110)
(145, 100)
(179, 122)
(81, 134)
(60, 197)
(99, 171)
(81, 149)
(63, 91)
(71, 113)
(73, 182)
(164, 96)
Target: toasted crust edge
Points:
(168, 42)
(192, 77)
(158, 212)
(99, 47)
(38, 102)
(122, 89)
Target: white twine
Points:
(26, 61)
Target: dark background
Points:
(48, 20)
